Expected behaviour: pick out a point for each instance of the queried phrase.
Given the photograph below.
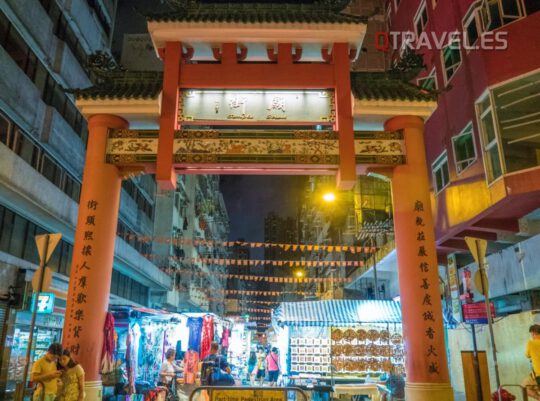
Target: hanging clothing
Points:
(195, 325)
(191, 366)
(135, 332)
(207, 336)
(108, 350)
(225, 338)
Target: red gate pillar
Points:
(423, 328)
(93, 253)
(346, 177)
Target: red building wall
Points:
(478, 70)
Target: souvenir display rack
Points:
(310, 355)
(367, 350)
(360, 351)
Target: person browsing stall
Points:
(169, 368)
(260, 370)
(272, 364)
(215, 370)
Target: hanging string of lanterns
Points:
(269, 279)
(259, 262)
(248, 244)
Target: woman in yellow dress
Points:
(73, 379)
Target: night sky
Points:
(250, 198)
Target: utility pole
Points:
(374, 249)
(46, 244)
(478, 249)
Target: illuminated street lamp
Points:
(329, 197)
(299, 273)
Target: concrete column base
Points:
(94, 391)
(429, 392)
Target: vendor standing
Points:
(168, 368)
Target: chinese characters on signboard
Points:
(253, 106)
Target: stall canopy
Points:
(342, 312)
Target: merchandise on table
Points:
(337, 342)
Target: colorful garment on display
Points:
(191, 366)
(225, 338)
(195, 325)
(207, 336)
(131, 358)
(109, 345)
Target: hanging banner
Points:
(234, 107)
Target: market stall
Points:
(143, 336)
(340, 346)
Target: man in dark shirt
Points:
(215, 368)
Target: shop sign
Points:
(476, 313)
(247, 395)
(45, 304)
(277, 107)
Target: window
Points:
(52, 93)
(464, 151)
(451, 59)
(509, 124)
(441, 175)
(421, 19)
(25, 147)
(496, 13)
(531, 6)
(429, 82)
(5, 131)
(492, 157)
(471, 28)
(389, 16)
(17, 238)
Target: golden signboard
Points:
(247, 395)
(285, 147)
(268, 106)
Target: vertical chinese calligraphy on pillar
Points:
(423, 327)
(93, 250)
